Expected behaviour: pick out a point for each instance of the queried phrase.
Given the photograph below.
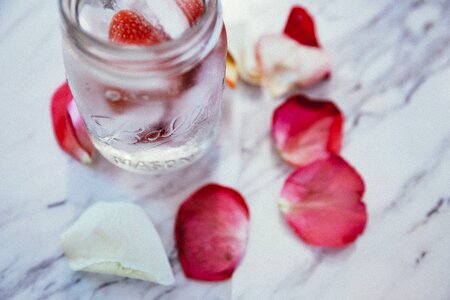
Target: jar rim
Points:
(103, 50)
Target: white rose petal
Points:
(117, 239)
(286, 64)
(246, 21)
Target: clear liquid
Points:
(161, 159)
(147, 126)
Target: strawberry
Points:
(305, 130)
(211, 233)
(130, 28)
(70, 131)
(192, 9)
(322, 202)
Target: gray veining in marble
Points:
(391, 77)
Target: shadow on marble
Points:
(105, 182)
(84, 285)
(160, 196)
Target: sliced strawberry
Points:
(211, 233)
(70, 131)
(192, 9)
(322, 202)
(300, 27)
(305, 130)
(285, 64)
(130, 28)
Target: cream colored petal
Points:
(117, 239)
(286, 64)
(241, 42)
(231, 73)
(246, 21)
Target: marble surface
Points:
(391, 77)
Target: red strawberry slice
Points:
(305, 130)
(322, 203)
(130, 28)
(211, 233)
(192, 9)
(70, 131)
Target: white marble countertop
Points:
(391, 77)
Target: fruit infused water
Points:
(147, 77)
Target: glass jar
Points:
(148, 109)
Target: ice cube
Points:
(95, 19)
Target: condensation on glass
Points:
(148, 109)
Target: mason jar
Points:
(148, 109)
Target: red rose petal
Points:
(70, 131)
(300, 27)
(305, 130)
(322, 202)
(211, 233)
(192, 9)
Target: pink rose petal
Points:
(70, 131)
(322, 202)
(305, 130)
(211, 233)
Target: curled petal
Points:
(305, 130)
(300, 27)
(231, 75)
(117, 239)
(70, 131)
(242, 52)
(285, 64)
(322, 202)
(211, 233)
